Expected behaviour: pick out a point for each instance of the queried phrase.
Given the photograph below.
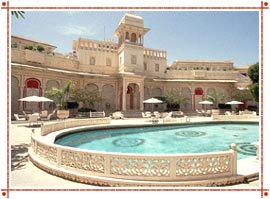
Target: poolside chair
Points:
(169, 118)
(117, 115)
(169, 115)
(146, 114)
(157, 114)
(228, 113)
(50, 116)
(33, 119)
(208, 113)
(200, 113)
(18, 118)
(177, 114)
(43, 114)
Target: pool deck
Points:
(24, 174)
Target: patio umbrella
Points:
(205, 102)
(234, 102)
(152, 101)
(35, 99)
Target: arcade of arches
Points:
(132, 100)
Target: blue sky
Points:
(197, 35)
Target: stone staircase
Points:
(138, 114)
(132, 114)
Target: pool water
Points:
(168, 139)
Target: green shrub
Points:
(40, 48)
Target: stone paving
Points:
(25, 175)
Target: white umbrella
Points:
(234, 102)
(35, 99)
(205, 102)
(152, 101)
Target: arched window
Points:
(198, 91)
(127, 36)
(133, 38)
(32, 87)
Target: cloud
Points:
(77, 30)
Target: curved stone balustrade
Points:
(120, 169)
(56, 126)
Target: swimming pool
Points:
(172, 139)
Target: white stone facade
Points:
(125, 73)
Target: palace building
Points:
(126, 73)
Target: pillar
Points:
(141, 90)
(124, 95)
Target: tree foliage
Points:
(18, 14)
(87, 97)
(62, 95)
(215, 97)
(254, 89)
(174, 97)
(253, 73)
(241, 95)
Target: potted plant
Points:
(62, 96)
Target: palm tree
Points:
(174, 97)
(62, 95)
(215, 97)
(18, 14)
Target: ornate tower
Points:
(130, 33)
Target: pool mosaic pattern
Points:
(168, 139)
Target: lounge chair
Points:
(32, 119)
(18, 118)
(169, 115)
(208, 113)
(49, 117)
(157, 114)
(168, 118)
(43, 114)
(146, 114)
(117, 115)
(200, 113)
(178, 114)
(228, 113)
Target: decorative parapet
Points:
(167, 168)
(202, 74)
(244, 117)
(34, 56)
(48, 128)
(120, 167)
(155, 53)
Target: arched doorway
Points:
(91, 87)
(133, 97)
(108, 94)
(15, 94)
(198, 96)
(32, 87)
(187, 105)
